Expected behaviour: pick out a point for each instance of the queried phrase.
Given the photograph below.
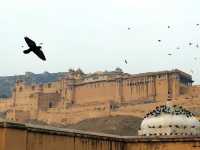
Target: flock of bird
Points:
(178, 47)
(37, 49)
(190, 44)
(174, 110)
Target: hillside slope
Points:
(118, 125)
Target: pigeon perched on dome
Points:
(169, 120)
(174, 110)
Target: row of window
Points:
(33, 87)
(96, 85)
(186, 83)
(137, 83)
(126, 83)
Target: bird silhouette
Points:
(159, 40)
(197, 24)
(169, 54)
(125, 61)
(168, 27)
(190, 43)
(34, 48)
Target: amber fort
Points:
(79, 96)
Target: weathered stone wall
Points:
(6, 104)
(2, 139)
(73, 114)
(48, 100)
(18, 115)
(96, 91)
(142, 88)
(24, 96)
(130, 89)
(193, 91)
(27, 137)
(61, 100)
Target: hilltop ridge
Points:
(8, 82)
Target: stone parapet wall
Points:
(14, 136)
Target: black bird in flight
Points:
(191, 71)
(34, 48)
(159, 40)
(168, 27)
(125, 61)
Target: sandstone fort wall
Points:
(85, 96)
(26, 137)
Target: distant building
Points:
(79, 96)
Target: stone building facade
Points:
(93, 95)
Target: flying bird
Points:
(197, 24)
(34, 48)
(177, 47)
(169, 54)
(190, 43)
(159, 40)
(168, 27)
(197, 46)
(125, 61)
(191, 71)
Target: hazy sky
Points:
(94, 35)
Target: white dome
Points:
(169, 120)
(165, 120)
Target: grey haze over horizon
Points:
(93, 35)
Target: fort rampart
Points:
(14, 136)
(94, 95)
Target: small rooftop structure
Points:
(169, 120)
